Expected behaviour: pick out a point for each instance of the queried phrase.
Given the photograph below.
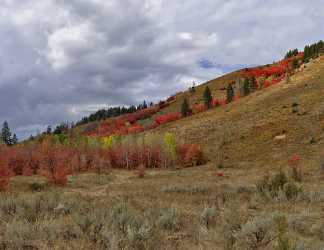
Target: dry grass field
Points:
(245, 197)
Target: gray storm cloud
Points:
(61, 59)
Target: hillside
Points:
(262, 187)
(244, 131)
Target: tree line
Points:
(103, 114)
(6, 136)
(310, 51)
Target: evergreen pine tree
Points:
(229, 93)
(253, 84)
(246, 87)
(49, 129)
(14, 139)
(144, 105)
(185, 109)
(6, 134)
(207, 97)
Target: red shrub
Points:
(136, 128)
(191, 155)
(215, 102)
(142, 114)
(237, 97)
(267, 83)
(167, 118)
(153, 125)
(54, 163)
(5, 172)
(222, 102)
(198, 108)
(294, 160)
(296, 171)
(220, 174)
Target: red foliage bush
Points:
(222, 102)
(136, 128)
(267, 83)
(56, 161)
(54, 164)
(5, 172)
(142, 114)
(153, 125)
(237, 97)
(220, 174)
(121, 125)
(198, 108)
(296, 171)
(215, 102)
(167, 118)
(275, 70)
(191, 155)
(294, 160)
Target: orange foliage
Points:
(191, 154)
(167, 118)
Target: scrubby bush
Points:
(291, 190)
(260, 231)
(170, 219)
(208, 216)
(191, 155)
(293, 163)
(271, 185)
(278, 187)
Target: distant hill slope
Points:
(244, 131)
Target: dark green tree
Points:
(185, 109)
(144, 105)
(208, 98)
(229, 93)
(246, 87)
(14, 139)
(49, 129)
(6, 134)
(193, 88)
(253, 84)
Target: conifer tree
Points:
(208, 97)
(144, 105)
(185, 109)
(6, 134)
(193, 88)
(49, 129)
(14, 139)
(253, 84)
(246, 87)
(229, 93)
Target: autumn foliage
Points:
(167, 118)
(56, 159)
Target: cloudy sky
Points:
(62, 59)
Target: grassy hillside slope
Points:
(242, 133)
